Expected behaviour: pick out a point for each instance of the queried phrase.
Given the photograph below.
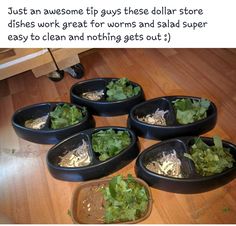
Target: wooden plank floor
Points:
(28, 193)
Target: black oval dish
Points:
(192, 181)
(46, 135)
(96, 168)
(103, 107)
(173, 128)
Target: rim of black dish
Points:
(133, 140)
(49, 130)
(177, 125)
(139, 163)
(141, 93)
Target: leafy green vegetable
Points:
(188, 111)
(109, 143)
(69, 212)
(120, 90)
(125, 200)
(65, 115)
(226, 209)
(210, 160)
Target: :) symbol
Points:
(165, 39)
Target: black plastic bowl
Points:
(173, 128)
(96, 168)
(103, 107)
(46, 135)
(192, 181)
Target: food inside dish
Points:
(37, 123)
(115, 90)
(125, 200)
(121, 89)
(65, 115)
(92, 206)
(189, 111)
(77, 157)
(156, 118)
(109, 143)
(93, 95)
(210, 160)
(116, 200)
(167, 165)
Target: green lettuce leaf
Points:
(121, 89)
(189, 111)
(109, 143)
(217, 142)
(65, 115)
(210, 160)
(125, 200)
